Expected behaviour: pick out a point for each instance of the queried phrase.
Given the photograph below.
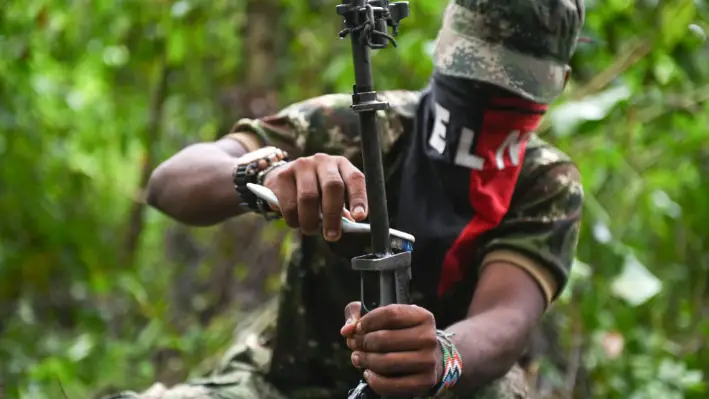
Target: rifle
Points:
(384, 275)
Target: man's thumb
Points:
(352, 311)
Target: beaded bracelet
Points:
(452, 362)
(261, 176)
(255, 171)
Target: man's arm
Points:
(507, 305)
(195, 186)
(525, 269)
(527, 260)
(523, 47)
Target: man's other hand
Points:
(397, 348)
(309, 185)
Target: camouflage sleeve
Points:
(327, 124)
(540, 231)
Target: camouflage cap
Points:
(520, 45)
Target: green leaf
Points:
(676, 17)
(567, 117)
(636, 285)
(176, 46)
(116, 55)
(664, 69)
(81, 348)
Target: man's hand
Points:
(309, 185)
(397, 347)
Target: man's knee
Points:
(235, 385)
(160, 391)
(512, 386)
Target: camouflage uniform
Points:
(291, 347)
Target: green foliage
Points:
(93, 94)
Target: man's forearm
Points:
(489, 344)
(195, 185)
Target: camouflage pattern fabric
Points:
(520, 45)
(327, 124)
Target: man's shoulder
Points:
(328, 124)
(547, 168)
(541, 154)
(402, 102)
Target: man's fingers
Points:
(346, 213)
(282, 183)
(394, 363)
(385, 341)
(394, 317)
(351, 317)
(352, 310)
(311, 186)
(420, 383)
(332, 190)
(356, 189)
(258, 154)
(308, 195)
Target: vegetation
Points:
(99, 293)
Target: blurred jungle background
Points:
(99, 293)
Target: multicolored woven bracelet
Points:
(452, 362)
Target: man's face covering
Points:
(498, 63)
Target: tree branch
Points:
(151, 137)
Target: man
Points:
(494, 209)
